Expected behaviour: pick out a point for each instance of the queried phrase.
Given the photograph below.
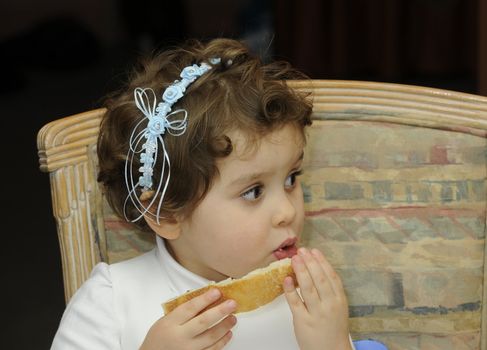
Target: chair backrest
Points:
(395, 193)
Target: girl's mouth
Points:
(287, 249)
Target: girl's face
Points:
(254, 207)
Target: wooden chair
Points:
(395, 193)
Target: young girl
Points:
(203, 147)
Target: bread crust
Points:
(254, 290)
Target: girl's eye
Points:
(252, 194)
(291, 179)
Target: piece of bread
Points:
(253, 290)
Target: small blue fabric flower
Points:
(191, 73)
(145, 181)
(162, 109)
(150, 147)
(146, 158)
(146, 170)
(173, 93)
(157, 125)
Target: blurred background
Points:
(61, 57)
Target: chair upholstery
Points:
(395, 196)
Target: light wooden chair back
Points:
(395, 194)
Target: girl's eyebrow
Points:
(248, 178)
(251, 177)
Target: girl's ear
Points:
(168, 228)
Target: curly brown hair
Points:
(240, 93)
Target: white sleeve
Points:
(89, 321)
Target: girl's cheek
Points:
(245, 243)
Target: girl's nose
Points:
(285, 211)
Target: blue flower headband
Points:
(151, 137)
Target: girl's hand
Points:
(321, 317)
(186, 328)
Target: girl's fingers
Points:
(201, 323)
(306, 284)
(318, 275)
(187, 311)
(292, 296)
(217, 336)
(335, 281)
(222, 342)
